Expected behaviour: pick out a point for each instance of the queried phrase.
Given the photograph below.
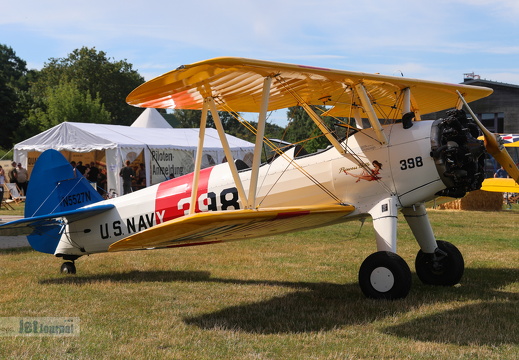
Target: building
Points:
(499, 112)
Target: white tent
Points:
(164, 150)
(151, 118)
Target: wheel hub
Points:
(382, 279)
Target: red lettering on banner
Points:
(173, 196)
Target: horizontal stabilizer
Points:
(33, 223)
(500, 185)
(210, 227)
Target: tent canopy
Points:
(86, 137)
(151, 118)
(122, 143)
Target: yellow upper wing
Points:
(232, 225)
(237, 83)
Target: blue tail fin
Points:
(54, 189)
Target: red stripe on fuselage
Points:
(173, 196)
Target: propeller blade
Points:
(494, 146)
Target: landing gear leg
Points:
(384, 274)
(420, 225)
(68, 267)
(437, 262)
(385, 218)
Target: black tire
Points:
(385, 275)
(68, 268)
(445, 271)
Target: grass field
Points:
(18, 209)
(286, 297)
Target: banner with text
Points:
(168, 161)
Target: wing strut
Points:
(372, 115)
(317, 120)
(198, 160)
(358, 118)
(259, 141)
(227, 151)
(406, 106)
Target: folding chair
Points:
(5, 201)
(15, 192)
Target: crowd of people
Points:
(133, 179)
(16, 175)
(93, 174)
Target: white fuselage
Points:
(407, 173)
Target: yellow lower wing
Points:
(222, 226)
(500, 185)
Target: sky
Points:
(436, 40)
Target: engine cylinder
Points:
(458, 154)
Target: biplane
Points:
(388, 162)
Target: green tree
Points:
(94, 73)
(66, 102)
(12, 73)
(230, 123)
(189, 118)
(302, 127)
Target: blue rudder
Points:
(54, 188)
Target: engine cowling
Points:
(458, 154)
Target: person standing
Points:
(93, 173)
(501, 173)
(101, 183)
(13, 173)
(2, 177)
(81, 168)
(127, 174)
(22, 177)
(141, 176)
(74, 169)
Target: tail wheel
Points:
(68, 267)
(445, 267)
(385, 275)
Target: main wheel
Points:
(385, 275)
(445, 267)
(68, 267)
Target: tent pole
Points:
(198, 160)
(228, 153)
(259, 142)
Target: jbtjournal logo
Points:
(39, 326)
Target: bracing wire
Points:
(291, 161)
(283, 155)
